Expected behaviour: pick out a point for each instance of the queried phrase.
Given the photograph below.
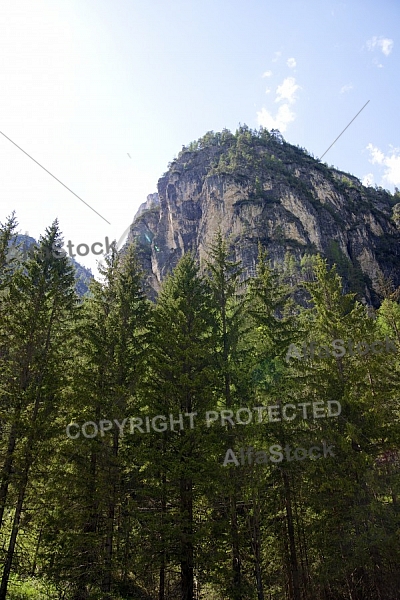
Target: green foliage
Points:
(31, 589)
(147, 515)
(396, 214)
(350, 272)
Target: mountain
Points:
(257, 187)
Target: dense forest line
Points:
(234, 440)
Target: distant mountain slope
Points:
(258, 188)
(82, 274)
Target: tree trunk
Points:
(294, 568)
(161, 587)
(20, 503)
(256, 545)
(14, 534)
(161, 580)
(33, 570)
(89, 527)
(236, 561)
(107, 580)
(6, 470)
(187, 563)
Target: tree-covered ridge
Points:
(259, 158)
(263, 148)
(107, 491)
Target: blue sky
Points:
(84, 83)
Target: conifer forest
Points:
(235, 439)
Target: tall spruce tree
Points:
(181, 386)
(273, 328)
(228, 306)
(339, 492)
(100, 481)
(35, 331)
(7, 269)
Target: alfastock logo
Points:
(22, 251)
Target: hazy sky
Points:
(84, 83)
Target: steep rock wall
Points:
(262, 189)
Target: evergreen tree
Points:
(273, 329)
(340, 501)
(180, 386)
(139, 502)
(35, 331)
(228, 305)
(104, 392)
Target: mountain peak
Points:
(257, 188)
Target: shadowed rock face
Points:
(257, 188)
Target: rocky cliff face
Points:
(256, 187)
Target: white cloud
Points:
(276, 56)
(392, 173)
(283, 117)
(287, 90)
(390, 162)
(377, 157)
(291, 63)
(267, 74)
(368, 180)
(346, 88)
(384, 44)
